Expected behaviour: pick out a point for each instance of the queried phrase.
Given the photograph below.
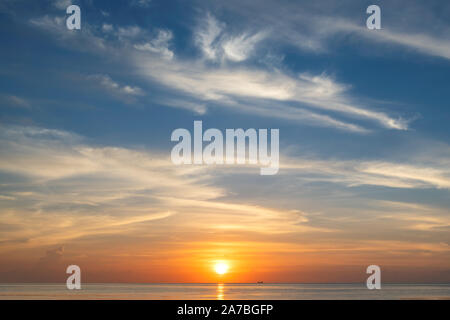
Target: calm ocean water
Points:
(225, 291)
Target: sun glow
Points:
(221, 267)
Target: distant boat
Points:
(260, 282)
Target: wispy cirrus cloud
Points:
(225, 85)
(415, 216)
(160, 44)
(141, 3)
(62, 4)
(423, 43)
(73, 189)
(303, 98)
(109, 84)
(376, 173)
(416, 41)
(87, 41)
(218, 45)
(15, 101)
(415, 27)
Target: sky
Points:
(86, 118)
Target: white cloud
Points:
(199, 108)
(141, 3)
(129, 32)
(109, 84)
(45, 155)
(311, 31)
(224, 85)
(207, 34)
(250, 90)
(49, 23)
(413, 174)
(218, 45)
(84, 41)
(107, 27)
(159, 45)
(240, 47)
(376, 173)
(62, 4)
(15, 101)
(420, 42)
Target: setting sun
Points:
(221, 267)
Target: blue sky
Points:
(363, 118)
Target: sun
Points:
(221, 267)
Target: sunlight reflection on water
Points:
(224, 291)
(220, 292)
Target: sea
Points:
(223, 291)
